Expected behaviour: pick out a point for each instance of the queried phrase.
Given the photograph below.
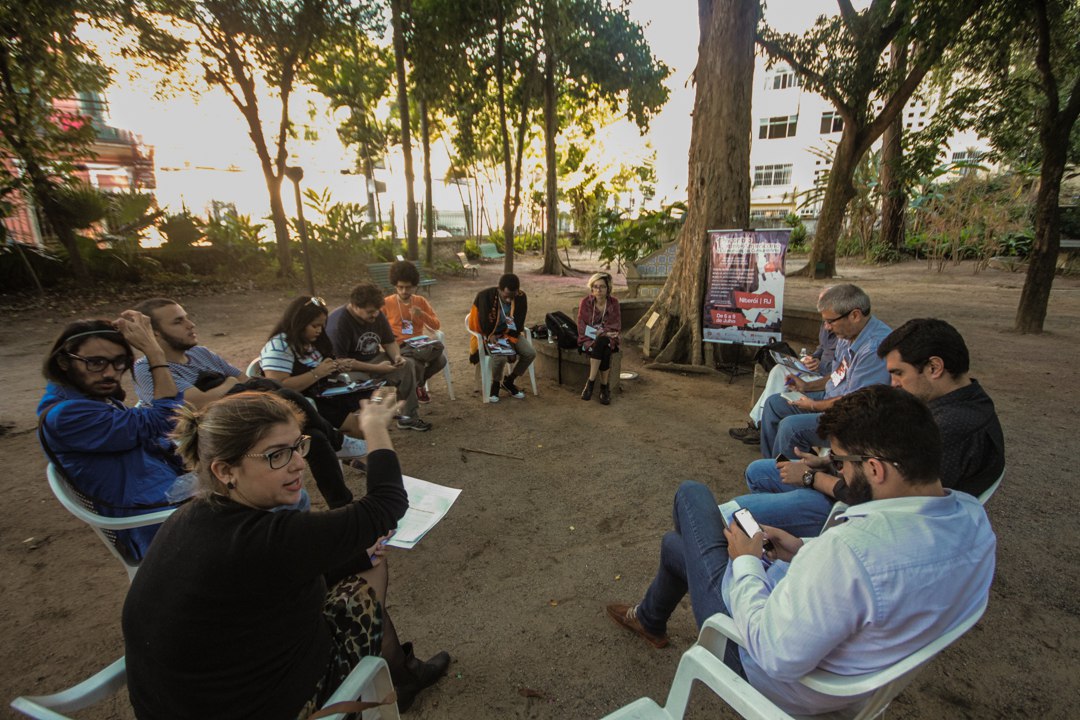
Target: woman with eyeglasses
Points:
(116, 456)
(299, 355)
(599, 321)
(238, 611)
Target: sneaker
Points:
(352, 448)
(510, 387)
(493, 396)
(422, 395)
(413, 424)
(626, 616)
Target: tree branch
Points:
(774, 49)
(1042, 58)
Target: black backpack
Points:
(562, 329)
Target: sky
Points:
(203, 150)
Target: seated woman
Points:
(599, 321)
(299, 355)
(238, 611)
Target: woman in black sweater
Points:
(240, 612)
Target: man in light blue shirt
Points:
(908, 561)
(845, 309)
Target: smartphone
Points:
(749, 526)
(781, 457)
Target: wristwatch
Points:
(808, 478)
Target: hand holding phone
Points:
(750, 526)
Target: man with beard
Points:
(118, 457)
(929, 359)
(907, 562)
(204, 376)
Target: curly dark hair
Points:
(366, 295)
(404, 270)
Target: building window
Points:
(765, 175)
(778, 127)
(831, 122)
(781, 78)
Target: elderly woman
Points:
(239, 611)
(599, 321)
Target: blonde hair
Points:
(606, 277)
(226, 430)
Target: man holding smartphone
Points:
(852, 601)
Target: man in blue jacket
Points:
(118, 457)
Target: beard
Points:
(858, 488)
(178, 345)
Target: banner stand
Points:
(736, 366)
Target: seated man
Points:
(118, 457)
(412, 316)
(819, 362)
(845, 310)
(930, 360)
(908, 563)
(498, 313)
(204, 376)
(359, 330)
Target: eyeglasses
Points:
(283, 456)
(839, 460)
(317, 302)
(97, 364)
(838, 318)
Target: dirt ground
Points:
(514, 581)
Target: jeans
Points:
(798, 510)
(784, 426)
(427, 361)
(694, 558)
(525, 356)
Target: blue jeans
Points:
(784, 426)
(798, 510)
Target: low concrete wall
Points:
(800, 324)
(575, 365)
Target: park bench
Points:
(651, 270)
(467, 266)
(380, 275)
(488, 251)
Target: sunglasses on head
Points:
(317, 302)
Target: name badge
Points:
(406, 327)
(840, 373)
(510, 323)
(591, 331)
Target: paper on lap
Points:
(428, 504)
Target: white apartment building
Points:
(794, 136)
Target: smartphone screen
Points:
(750, 526)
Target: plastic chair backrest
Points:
(104, 527)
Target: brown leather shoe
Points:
(626, 616)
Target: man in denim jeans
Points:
(907, 563)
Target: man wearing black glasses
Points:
(845, 310)
(117, 456)
(908, 561)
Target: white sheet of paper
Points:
(428, 504)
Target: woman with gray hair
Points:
(239, 611)
(599, 321)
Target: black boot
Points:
(586, 394)
(605, 395)
(418, 675)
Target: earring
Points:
(230, 485)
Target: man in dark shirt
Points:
(498, 313)
(929, 359)
(359, 330)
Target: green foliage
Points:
(237, 237)
(80, 206)
(624, 241)
(181, 230)
(797, 241)
(472, 248)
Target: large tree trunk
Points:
(411, 219)
(552, 265)
(1035, 297)
(429, 211)
(838, 194)
(281, 222)
(893, 192)
(718, 188)
(504, 136)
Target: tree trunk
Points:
(504, 135)
(411, 219)
(42, 190)
(718, 187)
(281, 223)
(893, 192)
(838, 194)
(429, 211)
(552, 265)
(1035, 297)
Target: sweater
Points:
(224, 619)
(393, 308)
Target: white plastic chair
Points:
(104, 527)
(989, 492)
(485, 362)
(704, 662)
(370, 679)
(441, 337)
